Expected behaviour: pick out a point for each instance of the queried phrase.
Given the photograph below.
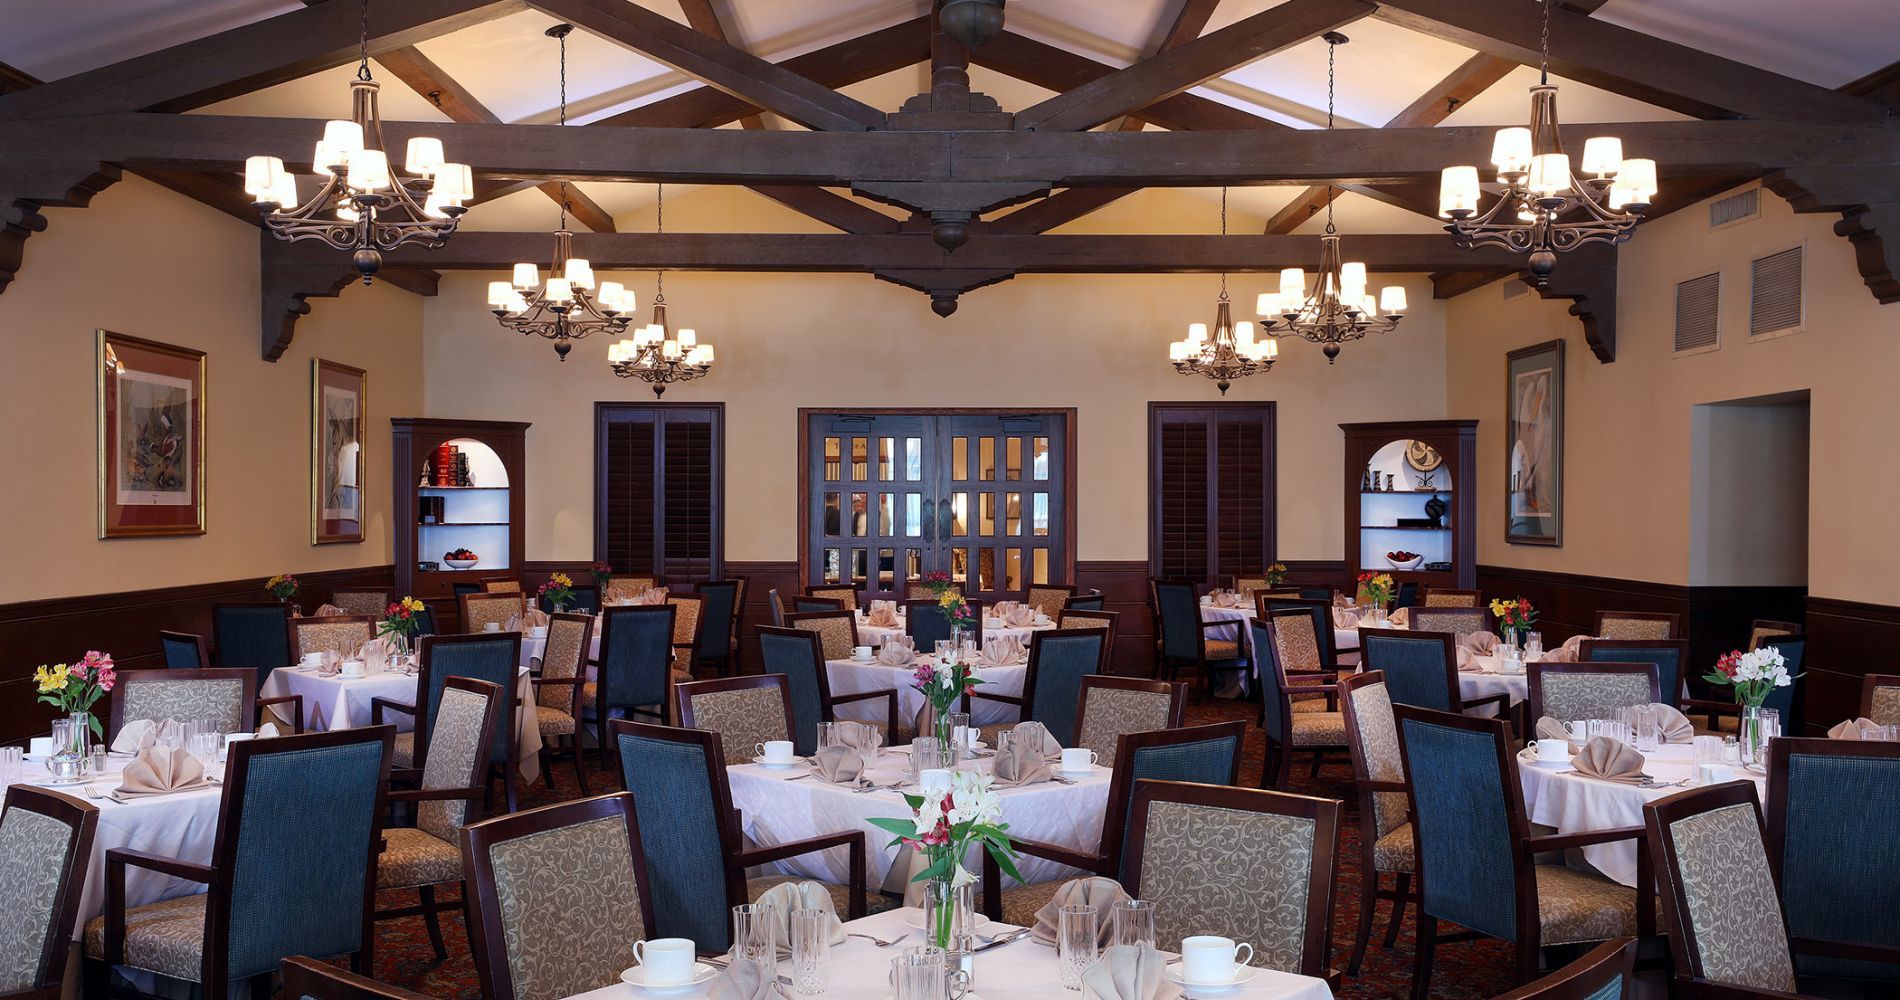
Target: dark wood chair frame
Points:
(1681, 646)
(1536, 672)
(1028, 697)
(1175, 690)
(1370, 891)
(82, 819)
(296, 647)
(687, 652)
(1581, 979)
(1778, 628)
(829, 591)
(1106, 859)
(1171, 665)
(1276, 767)
(1425, 594)
(252, 707)
(1775, 816)
(1502, 701)
(1871, 683)
(723, 664)
(204, 651)
(425, 657)
(683, 695)
(850, 617)
(1087, 595)
(304, 976)
(828, 702)
(472, 793)
(218, 875)
(570, 744)
(609, 759)
(1674, 620)
(1263, 606)
(487, 937)
(1111, 618)
(1523, 857)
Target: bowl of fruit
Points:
(1403, 559)
(460, 558)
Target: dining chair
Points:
(459, 589)
(1291, 727)
(1385, 824)
(1444, 597)
(507, 586)
(1081, 618)
(1880, 698)
(688, 624)
(454, 782)
(1573, 692)
(343, 635)
(635, 674)
(1407, 596)
(559, 674)
(1248, 586)
(1606, 972)
(306, 978)
(777, 607)
(586, 600)
(798, 656)
(1727, 935)
(1718, 715)
(802, 603)
(1460, 622)
(744, 711)
(494, 657)
(848, 595)
(1477, 857)
(1255, 866)
(1111, 707)
(183, 650)
(279, 883)
(1421, 668)
(1326, 594)
(926, 627)
(361, 602)
(556, 897)
(626, 588)
(718, 645)
(1207, 754)
(1637, 625)
(698, 859)
(255, 635)
(1836, 854)
(425, 621)
(46, 839)
(1669, 656)
(1764, 628)
(1184, 636)
(1320, 611)
(1085, 602)
(221, 695)
(1052, 681)
(481, 610)
(1048, 598)
(837, 631)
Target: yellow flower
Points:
(561, 580)
(51, 678)
(411, 604)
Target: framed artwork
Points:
(1534, 445)
(151, 444)
(339, 401)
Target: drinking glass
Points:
(1888, 733)
(926, 754)
(944, 648)
(1034, 732)
(1708, 750)
(870, 745)
(1075, 943)
(12, 766)
(1134, 922)
(755, 936)
(811, 951)
(1534, 644)
(827, 735)
(923, 974)
(959, 735)
(1770, 730)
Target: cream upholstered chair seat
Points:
(1318, 728)
(1397, 851)
(165, 937)
(412, 857)
(1574, 907)
(1021, 902)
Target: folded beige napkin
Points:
(1101, 893)
(513, 624)
(268, 731)
(883, 614)
(1021, 764)
(1226, 599)
(1574, 644)
(141, 734)
(894, 653)
(1001, 609)
(161, 771)
(1402, 618)
(1481, 643)
(1550, 729)
(1851, 729)
(1341, 600)
(838, 763)
(788, 896)
(375, 654)
(1020, 616)
(534, 618)
(1610, 760)
(654, 595)
(1004, 650)
(1344, 617)
(745, 981)
(329, 611)
(1468, 661)
(1562, 654)
(1126, 972)
(331, 663)
(1675, 726)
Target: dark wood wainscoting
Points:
(126, 625)
(1846, 641)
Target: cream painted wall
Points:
(149, 263)
(1749, 530)
(1097, 343)
(1628, 426)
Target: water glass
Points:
(1075, 943)
(755, 935)
(870, 744)
(811, 951)
(1888, 733)
(12, 766)
(1708, 750)
(1134, 922)
(828, 735)
(923, 973)
(1534, 644)
(959, 735)
(1034, 732)
(945, 650)
(926, 754)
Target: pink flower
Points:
(107, 678)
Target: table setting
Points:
(895, 663)
(1012, 619)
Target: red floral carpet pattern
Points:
(1475, 969)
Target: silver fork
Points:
(874, 939)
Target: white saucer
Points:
(762, 762)
(636, 978)
(868, 659)
(50, 782)
(914, 919)
(1172, 973)
(1083, 773)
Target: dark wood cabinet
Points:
(483, 511)
(1420, 465)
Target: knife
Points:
(1002, 939)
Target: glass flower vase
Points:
(1752, 733)
(950, 922)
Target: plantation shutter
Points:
(659, 491)
(1211, 507)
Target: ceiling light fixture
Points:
(655, 354)
(1231, 352)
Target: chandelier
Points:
(566, 307)
(1232, 352)
(1338, 309)
(361, 205)
(656, 354)
(1603, 205)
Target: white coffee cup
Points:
(860, 652)
(1210, 961)
(352, 668)
(1578, 731)
(1078, 758)
(1553, 750)
(667, 961)
(312, 660)
(491, 627)
(40, 746)
(541, 632)
(934, 779)
(775, 751)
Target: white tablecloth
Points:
(1488, 681)
(1020, 970)
(1572, 803)
(874, 635)
(531, 647)
(853, 676)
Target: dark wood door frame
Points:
(1272, 471)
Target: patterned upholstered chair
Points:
(183, 650)
(1637, 625)
(559, 675)
(1052, 684)
(1606, 972)
(1668, 655)
(1460, 622)
(698, 858)
(635, 675)
(1765, 628)
(556, 896)
(479, 610)
(280, 884)
(1442, 597)
(1091, 601)
(837, 631)
(494, 657)
(339, 634)
(46, 844)
(1880, 698)
(926, 627)
(1569, 692)
(1321, 612)
(1477, 857)
(507, 587)
(1047, 598)
(1718, 715)
(1726, 931)
(916, 591)
(1185, 641)
(719, 617)
(308, 979)
(1385, 824)
(1836, 853)
(688, 612)
(1421, 668)
(1248, 586)
(1112, 707)
(361, 602)
(223, 695)
(1291, 727)
(744, 711)
(626, 588)
(1080, 618)
(1256, 866)
(1206, 754)
(453, 785)
(254, 635)
(798, 656)
(846, 594)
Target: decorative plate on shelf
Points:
(1422, 456)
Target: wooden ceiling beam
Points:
(1060, 70)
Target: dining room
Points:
(949, 499)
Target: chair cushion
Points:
(874, 902)
(1020, 902)
(1396, 851)
(1223, 649)
(1574, 907)
(1721, 725)
(165, 937)
(405, 750)
(411, 857)
(553, 721)
(1319, 729)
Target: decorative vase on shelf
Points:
(1435, 509)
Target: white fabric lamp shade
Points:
(1511, 150)
(1550, 174)
(344, 137)
(1292, 284)
(1602, 155)
(527, 276)
(369, 170)
(559, 290)
(1457, 190)
(423, 156)
(579, 273)
(1392, 300)
(260, 176)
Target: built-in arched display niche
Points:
(459, 503)
(1409, 502)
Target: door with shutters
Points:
(1211, 508)
(659, 489)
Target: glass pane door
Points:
(1003, 484)
(869, 522)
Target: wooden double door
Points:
(891, 497)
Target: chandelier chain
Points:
(659, 220)
(362, 64)
(1223, 232)
(1543, 58)
(564, 195)
(1332, 54)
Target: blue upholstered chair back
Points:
(1407, 596)
(425, 622)
(715, 618)
(670, 782)
(586, 600)
(795, 658)
(485, 659)
(459, 589)
(1180, 619)
(1270, 686)
(252, 635)
(1464, 836)
(1414, 669)
(1794, 649)
(1207, 761)
(1316, 593)
(180, 654)
(925, 627)
(636, 654)
(802, 603)
(297, 885)
(1061, 663)
(1085, 602)
(1666, 657)
(1840, 858)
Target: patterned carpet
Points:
(1467, 970)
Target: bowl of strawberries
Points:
(460, 558)
(1402, 559)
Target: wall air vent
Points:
(1775, 301)
(1738, 207)
(1698, 311)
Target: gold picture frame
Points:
(150, 448)
(339, 414)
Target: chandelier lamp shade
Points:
(1228, 352)
(1548, 205)
(362, 204)
(657, 354)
